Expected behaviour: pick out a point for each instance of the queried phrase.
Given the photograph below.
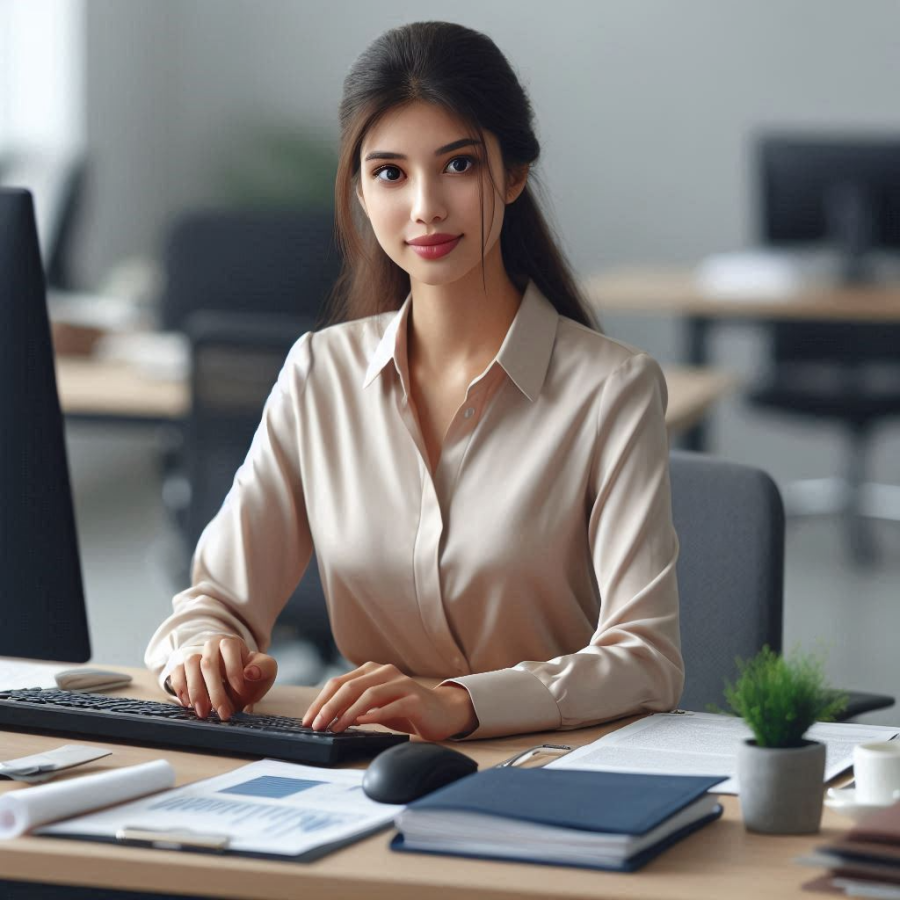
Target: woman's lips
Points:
(436, 251)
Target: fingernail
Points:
(224, 712)
(252, 673)
(198, 708)
(318, 722)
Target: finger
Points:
(372, 698)
(398, 715)
(198, 697)
(260, 671)
(232, 650)
(349, 693)
(326, 693)
(211, 666)
(178, 683)
(330, 687)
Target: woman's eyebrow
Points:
(447, 148)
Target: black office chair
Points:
(843, 373)
(730, 523)
(248, 261)
(235, 360)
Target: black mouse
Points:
(411, 770)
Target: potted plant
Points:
(782, 774)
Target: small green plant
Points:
(781, 698)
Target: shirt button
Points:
(469, 412)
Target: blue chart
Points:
(271, 786)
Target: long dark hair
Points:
(464, 72)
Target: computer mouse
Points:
(411, 770)
(90, 680)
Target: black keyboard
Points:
(166, 725)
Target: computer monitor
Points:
(843, 192)
(42, 611)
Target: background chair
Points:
(236, 359)
(248, 261)
(730, 522)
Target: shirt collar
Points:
(524, 354)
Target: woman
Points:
(484, 476)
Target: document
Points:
(267, 808)
(696, 743)
(17, 674)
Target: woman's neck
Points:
(458, 328)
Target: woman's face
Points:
(420, 172)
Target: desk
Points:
(675, 291)
(116, 391)
(720, 861)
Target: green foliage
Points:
(781, 698)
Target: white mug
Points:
(876, 770)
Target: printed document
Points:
(264, 808)
(696, 743)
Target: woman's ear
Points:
(359, 196)
(516, 179)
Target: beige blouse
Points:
(535, 567)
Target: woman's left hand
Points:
(383, 695)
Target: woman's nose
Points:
(428, 204)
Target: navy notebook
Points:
(604, 820)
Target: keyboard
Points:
(167, 725)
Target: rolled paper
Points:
(28, 808)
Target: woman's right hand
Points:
(227, 677)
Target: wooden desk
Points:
(96, 389)
(722, 860)
(675, 291)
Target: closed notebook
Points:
(602, 820)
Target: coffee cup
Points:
(876, 771)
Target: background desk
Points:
(720, 861)
(676, 292)
(115, 391)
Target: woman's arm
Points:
(254, 552)
(633, 661)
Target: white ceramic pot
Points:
(782, 787)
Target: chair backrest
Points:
(235, 361)
(730, 524)
(248, 261)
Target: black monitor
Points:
(839, 191)
(42, 612)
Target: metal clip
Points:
(176, 839)
(524, 755)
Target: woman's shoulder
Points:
(597, 355)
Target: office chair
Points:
(248, 261)
(843, 373)
(730, 523)
(235, 361)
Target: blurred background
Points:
(182, 159)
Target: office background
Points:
(646, 112)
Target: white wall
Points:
(645, 108)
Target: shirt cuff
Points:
(509, 701)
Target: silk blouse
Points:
(535, 566)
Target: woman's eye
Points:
(461, 164)
(387, 173)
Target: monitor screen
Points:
(42, 611)
(844, 192)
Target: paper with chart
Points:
(696, 743)
(266, 807)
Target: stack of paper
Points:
(591, 819)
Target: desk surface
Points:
(722, 860)
(676, 291)
(90, 387)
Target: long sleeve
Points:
(633, 661)
(254, 552)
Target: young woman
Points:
(483, 475)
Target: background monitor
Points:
(42, 612)
(844, 192)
